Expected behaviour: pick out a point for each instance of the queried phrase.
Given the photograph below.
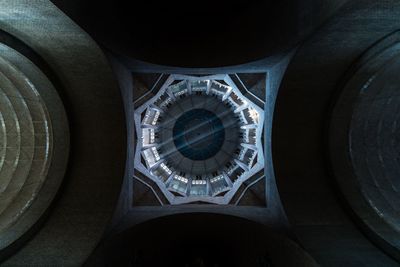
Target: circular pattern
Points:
(219, 135)
(27, 143)
(364, 143)
(198, 134)
(34, 143)
(200, 139)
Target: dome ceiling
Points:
(199, 138)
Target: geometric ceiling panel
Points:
(199, 139)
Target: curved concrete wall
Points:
(364, 142)
(35, 145)
(98, 139)
(320, 219)
(92, 101)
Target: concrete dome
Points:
(34, 145)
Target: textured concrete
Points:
(364, 147)
(36, 142)
(94, 108)
(306, 187)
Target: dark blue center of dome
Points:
(198, 134)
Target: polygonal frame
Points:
(233, 187)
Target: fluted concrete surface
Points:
(305, 182)
(92, 102)
(364, 142)
(28, 142)
(35, 145)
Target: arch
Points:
(199, 239)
